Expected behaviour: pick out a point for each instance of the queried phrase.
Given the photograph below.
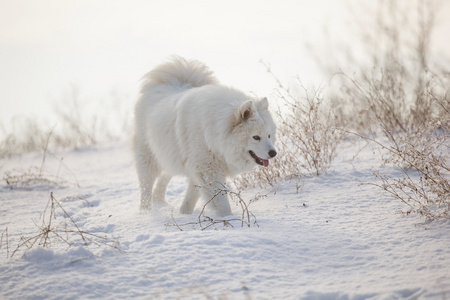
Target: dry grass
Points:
(32, 177)
(397, 83)
(405, 97)
(307, 132)
(77, 122)
(307, 139)
(424, 161)
(56, 226)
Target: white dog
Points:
(188, 124)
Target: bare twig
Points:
(64, 232)
(5, 235)
(421, 151)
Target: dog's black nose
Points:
(272, 153)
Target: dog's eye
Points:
(269, 136)
(256, 137)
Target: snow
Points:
(336, 238)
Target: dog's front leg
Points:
(215, 192)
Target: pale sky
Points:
(105, 46)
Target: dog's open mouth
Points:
(258, 160)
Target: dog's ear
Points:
(263, 104)
(246, 110)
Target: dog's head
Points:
(257, 131)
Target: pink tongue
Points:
(265, 162)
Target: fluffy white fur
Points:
(188, 124)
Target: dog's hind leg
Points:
(159, 193)
(148, 171)
(190, 199)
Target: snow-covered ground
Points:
(334, 239)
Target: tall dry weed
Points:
(77, 122)
(405, 96)
(306, 138)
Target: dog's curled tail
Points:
(180, 72)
